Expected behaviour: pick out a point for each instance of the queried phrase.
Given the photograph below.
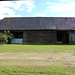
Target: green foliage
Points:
(5, 37)
(9, 34)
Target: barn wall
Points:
(1, 31)
(39, 37)
(71, 37)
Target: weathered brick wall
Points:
(71, 37)
(39, 37)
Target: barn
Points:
(40, 30)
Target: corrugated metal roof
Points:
(38, 23)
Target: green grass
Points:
(37, 48)
(53, 70)
(37, 59)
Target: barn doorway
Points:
(18, 38)
(18, 34)
(62, 37)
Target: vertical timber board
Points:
(24, 37)
(71, 37)
(39, 37)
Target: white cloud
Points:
(27, 3)
(62, 7)
(48, 3)
(3, 16)
(8, 8)
(4, 9)
(30, 5)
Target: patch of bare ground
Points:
(24, 59)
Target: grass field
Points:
(37, 59)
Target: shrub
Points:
(5, 37)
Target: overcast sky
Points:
(37, 8)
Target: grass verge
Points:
(37, 59)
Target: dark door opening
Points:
(18, 34)
(62, 37)
(17, 37)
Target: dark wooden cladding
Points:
(39, 37)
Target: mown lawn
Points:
(37, 59)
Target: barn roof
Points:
(38, 23)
